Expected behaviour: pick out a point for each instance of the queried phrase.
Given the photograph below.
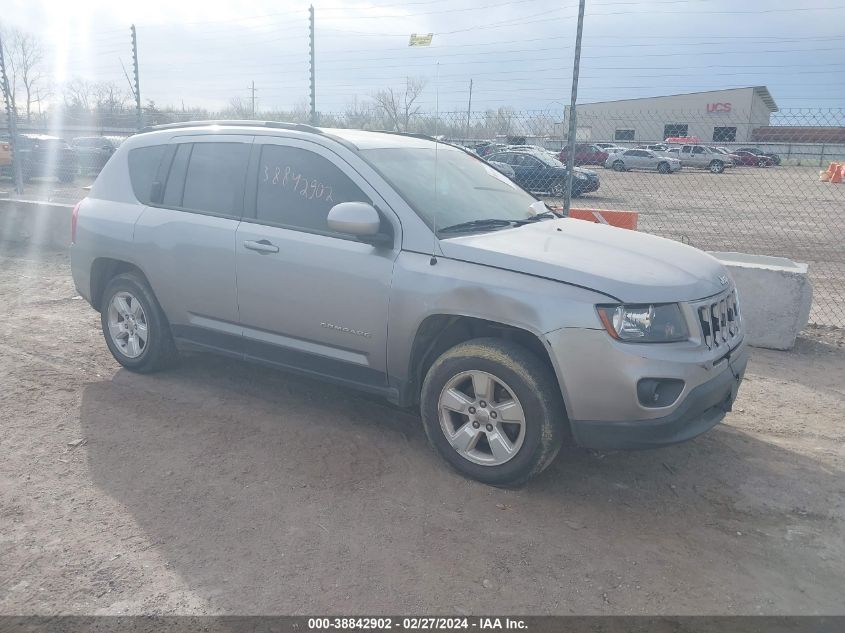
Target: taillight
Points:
(74, 217)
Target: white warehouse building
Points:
(721, 116)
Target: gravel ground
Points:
(219, 487)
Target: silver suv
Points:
(703, 157)
(411, 269)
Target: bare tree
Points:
(359, 115)
(111, 98)
(238, 109)
(399, 106)
(25, 60)
(80, 95)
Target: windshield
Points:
(467, 188)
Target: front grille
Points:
(720, 321)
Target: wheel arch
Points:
(103, 270)
(439, 332)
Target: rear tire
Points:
(717, 167)
(493, 411)
(136, 331)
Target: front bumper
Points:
(598, 378)
(702, 409)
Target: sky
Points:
(517, 53)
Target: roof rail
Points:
(411, 134)
(301, 127)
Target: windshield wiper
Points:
(545, 215)
(487, 223)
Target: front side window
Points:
(298, 188)
(449, 187)
(214, 182)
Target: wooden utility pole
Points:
(469, 108)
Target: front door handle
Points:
(262, 246)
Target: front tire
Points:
(761, 163)
(618, 166)
(135, 328)
(557, 189)
(493, 411)
(717, 167)
(663, 168)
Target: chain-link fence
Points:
(721, 179)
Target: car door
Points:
(531, 173)
(648, 160)
(311, 299)
(186, 236)
(700, 156)
(635, 159)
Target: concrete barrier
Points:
(775, 296)
(43, 224)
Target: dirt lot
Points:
(219, 487)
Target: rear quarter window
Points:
(143, 165)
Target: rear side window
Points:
(143, 165)
(297, 188)
(215, 179)
(176, 178)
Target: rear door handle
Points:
(262, 246)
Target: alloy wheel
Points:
(127, 323)
(481, 418)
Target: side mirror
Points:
(359, 219)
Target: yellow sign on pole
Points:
(421, 40)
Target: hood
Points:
(630, 266)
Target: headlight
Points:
(644, 323)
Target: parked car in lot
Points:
(92, 152)
(724, 150)
(461, 294)
(613, 149)
(655, 147)
(753, 160)
(703, 157)
(759, 152)
(506, 169)
(485, 149)
(604, 146)
(642, 159)
(43, 155)
(540, 173)
(585, 154)
(5, 154)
